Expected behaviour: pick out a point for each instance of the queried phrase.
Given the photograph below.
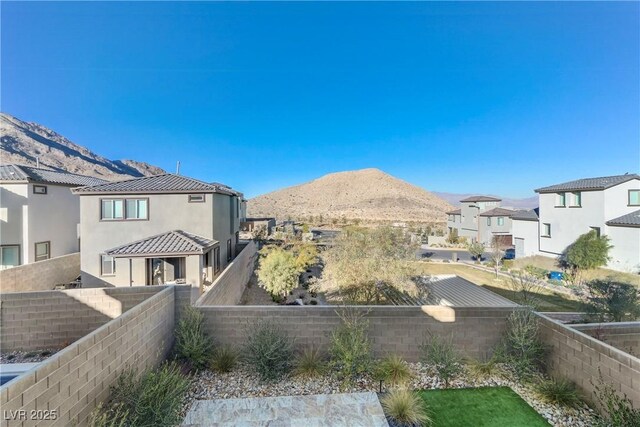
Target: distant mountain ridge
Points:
(29, 143)
(526, 203)
(367, 194)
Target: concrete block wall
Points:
(581, 358)
(41, 275)
(624, 336)
(54, 319)
(393, 329)
(228, 287)
(73, 381)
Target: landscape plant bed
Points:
(27, 356)
(242, 382)
(483, 406)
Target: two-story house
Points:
(39, 215)
(480, 218)
(161, 229)
(608, 205)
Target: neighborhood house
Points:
(481, 219)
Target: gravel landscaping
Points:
(243, 383)
(27, 356)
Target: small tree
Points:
(306, 255)
(526, 286)
(607, 299)
(497, 253)
(279, 272)
(589, 251)
(453, 236)
(476, 249)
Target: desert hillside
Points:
(22, 142)
(367, 194)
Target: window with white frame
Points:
(561, 200)
(124, 209)
(546, 230)
(43, 251)
(112, 209)
(634, 198)
(576, 199)
(107, 265)
(500, 220)
(9, 256)
(136, 209)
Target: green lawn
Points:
(480, 407)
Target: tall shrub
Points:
(610, 300)
(523, 350)
(279, 272)
(268, 350)
(192, 342)
(350, 348)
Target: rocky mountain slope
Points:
(367, 194)
(22, 142)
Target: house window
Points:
(500, 220)
(577, 199)
(43, 251)
(216, 259)
(561, 200)
(112, 209)
(107, 265)
(196, 198)
(136, 209)
(9, 256)
(546, 230)
(597, 230)
(634, 197)
(489, 221)
(39, 189)
(229, 254)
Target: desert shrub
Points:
(522, 348)
(405, 408)
(393, 370)
(483, 369)
(350, 347)
(527, 287)
(443, 356)
(192, 343)
(537, 272)
(279, 271)
(224, 359)
(616, 410)
(608, 299)
(310, 363)
(153, 400)
(560, 391)
(508, 264)
(476, 249)
(268, 350)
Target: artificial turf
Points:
(477, 407)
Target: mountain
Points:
(22, 142)
(527, 203)
(367, 194)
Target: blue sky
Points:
(459, 97)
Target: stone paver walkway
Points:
(349, 409)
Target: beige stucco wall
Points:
(41, 275)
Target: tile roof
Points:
(176, 242)
(164, 183)
(455, 212)
(629, 220)
(599, 183)
(481, 199)
(498, 212)
(530, 215)
(30, 174)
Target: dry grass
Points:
(548, 300)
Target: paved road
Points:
(442, 254)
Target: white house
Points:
(39, 215)
(609, 205)
(480, 219)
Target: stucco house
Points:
(161, 229)
(609, 205)
(39, 215)
(480, 218)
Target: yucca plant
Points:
(405, 408)
(560, 391)
(393, 370)
(224, 359)
(310, 363)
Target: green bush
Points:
(393, 370)
(153, 400)
(350, 347)
(268, 350)
(481, 370)
(224, 359)
(611, 300)
(310, 363)
(441, 353)
(537, 272)
(405, 408)
(616, 410)
(523, 350)
(560, 391)
(192, 343)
